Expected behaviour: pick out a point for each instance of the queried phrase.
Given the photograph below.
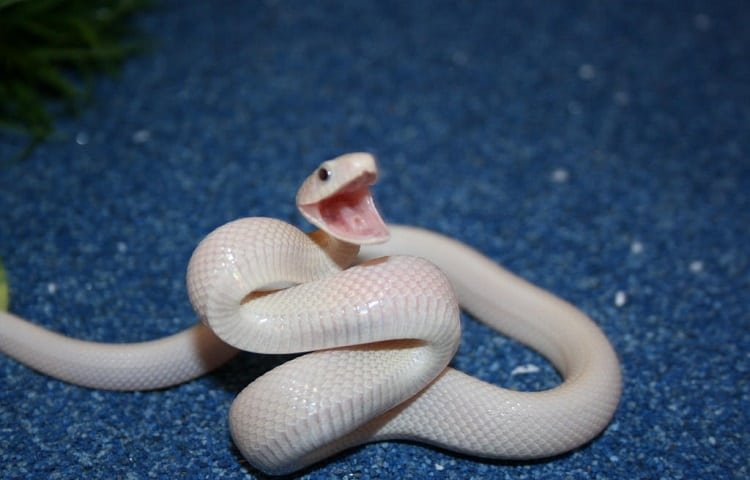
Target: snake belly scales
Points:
(375, 307)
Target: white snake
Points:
(381, 335)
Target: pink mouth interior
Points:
(351, 215)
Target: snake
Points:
(373, 310)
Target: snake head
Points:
(336, 198)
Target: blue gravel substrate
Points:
(600, 149)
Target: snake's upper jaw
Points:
(349, 213)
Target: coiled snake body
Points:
(380, 333)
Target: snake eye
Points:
(324, 174)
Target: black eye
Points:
(324, 174)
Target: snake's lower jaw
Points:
(358, 227)
(373, 239)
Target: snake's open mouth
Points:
(350, 213)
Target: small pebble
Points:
(696, 266)
(82, 138)
(51, 288)
(439, 467)
(560, 175)
(636, 248)
(621, 298)
(586, 72)
(523, 369)
(141, 136)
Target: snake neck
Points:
(341, 252)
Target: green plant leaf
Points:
(51, 52)
(4, 295)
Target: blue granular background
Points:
(599, 149)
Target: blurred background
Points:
(599, 149)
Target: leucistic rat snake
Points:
(380, 333)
